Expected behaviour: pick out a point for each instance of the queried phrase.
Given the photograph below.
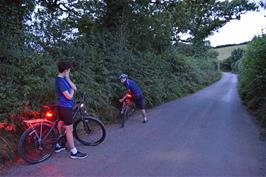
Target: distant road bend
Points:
(208, 133)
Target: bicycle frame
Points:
(126, 107)
(126, 104)
(31, 124)
(42, 134)
(128, 98)
(53, 124)
(49, 114)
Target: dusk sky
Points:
(238, 31)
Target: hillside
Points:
(225, 52)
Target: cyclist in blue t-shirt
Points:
(65, 90)
(138, 97)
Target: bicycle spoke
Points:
(89, 131)
(37, 143)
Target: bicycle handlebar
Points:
(82, 98)
(127, 96)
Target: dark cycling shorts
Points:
(139, 101)
(65, 114)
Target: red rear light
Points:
(49, 114)
(128, 95)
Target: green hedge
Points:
(231, 64)
(27, 79)
(252, 77)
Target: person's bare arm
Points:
(72, 85)
(122, 99)
(69, 95)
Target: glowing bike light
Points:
(49, 114)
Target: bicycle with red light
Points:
(37, 143)
(128, 107)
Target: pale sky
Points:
(243, 30)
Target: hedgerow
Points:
(252, 78)
(27, 80)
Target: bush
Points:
(232, 62)
(252, 77)
(97, 61)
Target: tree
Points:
(140, 24)
(200, 19)
(232, 62)
(262, 4)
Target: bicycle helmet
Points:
(122, 76)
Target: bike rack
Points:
(32, 122)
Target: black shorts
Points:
(66, 115)
(139, 101)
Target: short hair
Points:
(63, 65)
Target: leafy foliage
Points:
(232, 62)
(252, 77)
(103, 39)
(201, 18)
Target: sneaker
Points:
(59, 148)
(78, 155)
(145, 121)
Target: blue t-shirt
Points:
(133, 87)
(62, 85)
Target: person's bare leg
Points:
(75, 154)
(70, 138)
(144, 115)
(59, 126)
(59, 147)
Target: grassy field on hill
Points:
(225, 52)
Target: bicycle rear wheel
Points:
(89, 131)
(37, 143)
(124, 116)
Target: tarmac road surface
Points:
(208, 133)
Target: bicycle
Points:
(128, 108)
(37, 142)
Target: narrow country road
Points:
(208, 133)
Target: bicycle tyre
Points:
(131, 110)
(124, 116)
(89, 131)
(32, 151)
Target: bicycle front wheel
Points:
(37, 143)
(89, 131)
(125, 115)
